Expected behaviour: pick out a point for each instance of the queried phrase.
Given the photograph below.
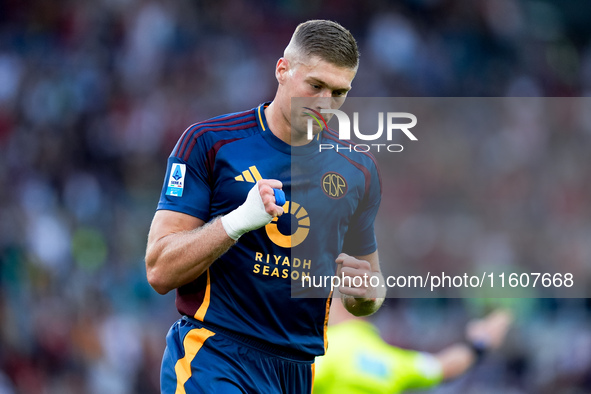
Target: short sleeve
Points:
(186, 187)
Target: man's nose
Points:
(324, 101)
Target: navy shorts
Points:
(207, 360)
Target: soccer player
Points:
(359, 361)
(233, 252)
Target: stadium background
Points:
(94, 94)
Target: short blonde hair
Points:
(328, 40)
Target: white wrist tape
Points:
(248, 216)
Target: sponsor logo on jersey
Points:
(293, 211)
(279, 230)
(176, 180)
(251, 175)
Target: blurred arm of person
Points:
(482, 335)
(359, 361)
(181, 247)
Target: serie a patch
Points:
(176, 180)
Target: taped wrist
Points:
(249, 216)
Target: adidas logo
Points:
(251, 175)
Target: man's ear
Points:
(281, 70)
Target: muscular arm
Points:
(181, 247)
(367, 299)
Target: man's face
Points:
(325, 84)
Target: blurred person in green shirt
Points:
(358, 360)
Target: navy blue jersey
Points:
(332, 199)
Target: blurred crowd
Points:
(94, 94)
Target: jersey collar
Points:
(276, 142)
